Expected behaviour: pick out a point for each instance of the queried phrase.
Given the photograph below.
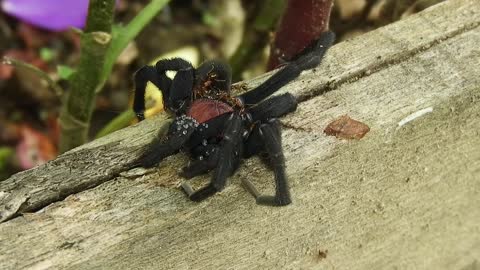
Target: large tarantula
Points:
(217, 129)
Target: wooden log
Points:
(405, 196)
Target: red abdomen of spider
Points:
(203, 110)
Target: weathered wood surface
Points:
(403, 197)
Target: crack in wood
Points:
(288, 125)
(378, 66)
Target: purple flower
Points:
(53, 15)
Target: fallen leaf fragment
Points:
(345, 127)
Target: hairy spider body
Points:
(203, 110)
(217, 129)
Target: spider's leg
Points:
(203, 146)
(179, 132)
(273, 107)
(270, 135)
(141, 78)
(179, 92)
(207, 158)
(228, 152)
(158, 77)
(307, 59)
(312, 55)
(202, 165)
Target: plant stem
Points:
(124, 35)
(119, 122)
(302, 23)
(256, 35)
(79, 101)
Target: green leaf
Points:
(209, 19)
(47, 54)
(5, 154)
(122, 120)
(121, 36)
(65, 72)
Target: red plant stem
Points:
(302, 22)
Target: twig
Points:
(20, 64)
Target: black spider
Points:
(219, 130)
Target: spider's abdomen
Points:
(203, 110)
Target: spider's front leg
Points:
(203, 164)
(161, 147)
(141, 78)
(229, 151)
(204, 153)
(270, 135)
(175, 92)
